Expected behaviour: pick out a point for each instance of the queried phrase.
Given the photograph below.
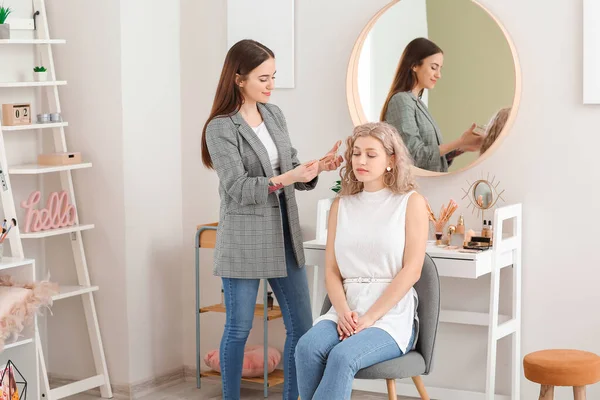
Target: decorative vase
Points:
(4, 31)
(323, 207)
(41, 76)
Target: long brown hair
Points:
(400, 179)
(405, 78)
(241, 59)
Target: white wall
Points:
(91, 103)
(123, 106)
(152, 163)
(535, 165)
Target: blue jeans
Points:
(326, 366)
(240, 299)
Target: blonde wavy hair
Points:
(400, 179)
(494, 128)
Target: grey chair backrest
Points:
(428, 290)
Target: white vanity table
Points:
(506, 252)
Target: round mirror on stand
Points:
(483, 196)
(443, 73)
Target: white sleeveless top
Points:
(369, 244)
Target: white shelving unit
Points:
(72, 291)
(32, 41)
(56, 232)
(18, 343)
(84, 289)
(34, 169)
(51, 125)
(31, 84)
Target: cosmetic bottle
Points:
(460, 227)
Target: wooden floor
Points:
(211, 390)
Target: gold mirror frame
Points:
(496, 194)
(358, 115)
(494, 199)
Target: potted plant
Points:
(4, 28)
(337, 187)
(40, 73)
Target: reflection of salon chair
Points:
(419, 361)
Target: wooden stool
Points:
(552, 368)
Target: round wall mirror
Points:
(443, 73)
(483, 195)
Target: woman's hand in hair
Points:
(331, 161)
(470, 141)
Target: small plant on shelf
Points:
(40, 73)
(4, 13)
(4, 27)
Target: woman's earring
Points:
(388, 169)
(389, 174)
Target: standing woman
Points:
(419, 68)
(247, 142)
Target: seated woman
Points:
(377, 235)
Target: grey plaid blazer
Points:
(418, 129)
(250, 234)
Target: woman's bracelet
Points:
(273, 187)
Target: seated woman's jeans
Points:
(326, 366)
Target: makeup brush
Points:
(13, 223)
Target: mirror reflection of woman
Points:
(420, 67)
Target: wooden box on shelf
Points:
(59, 158)
(208, 238)
(16, 114)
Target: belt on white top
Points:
(367, 280)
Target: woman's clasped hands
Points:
(350, 323)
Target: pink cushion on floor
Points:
(253, 365)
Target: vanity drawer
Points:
(462, 268)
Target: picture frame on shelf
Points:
(4, 27)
